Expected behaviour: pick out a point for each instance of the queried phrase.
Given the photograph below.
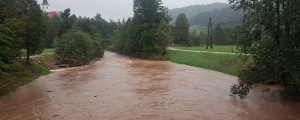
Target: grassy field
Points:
(48, 51)
(217, 62)
(45, 51)
(216, 48)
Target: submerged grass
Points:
(217, 62)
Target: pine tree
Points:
(182, 30)
(12, 27)
(35, 28)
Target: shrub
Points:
(78, 45)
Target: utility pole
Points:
(209, 34)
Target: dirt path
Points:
(121, 88)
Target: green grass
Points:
(50, 57)
(48, 51)
(45, 51)
(216, 62)
(216, 48)
(18, 74)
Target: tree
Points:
(182, 30)
(142, 36)
(163, 37)
(53, 27)
(195, 39)
(78, 46)
(67, 21)
(22, 26)
(11, 27)
(271, 35)
(35, 28)
(147, 16)
(123, 38)
(220, 36)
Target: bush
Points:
(241, 90)
(272, 42)
(78, 45)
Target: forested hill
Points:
(194, 10)
(224, 15)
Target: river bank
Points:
(20, 73)
(120, 87)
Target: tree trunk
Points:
(27, 53)
(277, 31)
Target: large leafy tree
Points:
(21, 26)
(220, 35)
(35, 28)
(11, 27)
(53, 27)
(182, 30)
(147, 16)
(67, 21)
(56, 26)
(142, 35)
(78, 45)
(271, 35)
(163, 37)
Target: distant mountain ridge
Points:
(194, 10)
(199, 14)
(226, 17)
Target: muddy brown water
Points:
(122, 88)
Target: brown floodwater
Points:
(123, 88)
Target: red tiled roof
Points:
(54, 14)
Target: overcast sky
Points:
(113, 9)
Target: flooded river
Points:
(122, 88)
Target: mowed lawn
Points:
(217, 62)
(216, 48)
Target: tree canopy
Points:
(271, 35)
(35, 28)
(21, 26)
(182, 30)
(138, 36)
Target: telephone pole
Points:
(210, 34)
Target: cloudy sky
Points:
(113, 9)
